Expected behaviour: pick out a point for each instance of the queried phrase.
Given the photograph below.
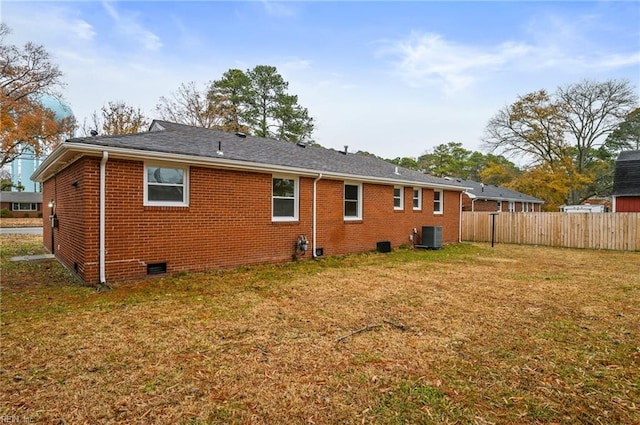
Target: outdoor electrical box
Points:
(431, 237)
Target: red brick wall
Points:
(484, 205)
(227, 223)
(480, 205)
(76, 207)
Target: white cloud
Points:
(127, 26)
(82, 29)
(277, 9)
(427, 58)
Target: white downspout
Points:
(460, 220)
(314, 230)
(103, 178)
(613, 204)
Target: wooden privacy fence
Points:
(620, 231)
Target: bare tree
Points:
(191, 106)
(592, 111)
(115, 118)
(532, 127)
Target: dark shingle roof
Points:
(629, 156)
(170, 138)
(21, 197)
(626, 180)
(498, 193)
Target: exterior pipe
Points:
(460, 221)
(103, 178)
(314, 230)
(613, 204)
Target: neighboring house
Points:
(626, 182)
(186, 198)
(22, 204)
(489, 198)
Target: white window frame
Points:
(296, 197)
(417, 190)
(185, 186)
(499, 204)
(359, 201)
(512, 206)
(400, 198)
(17, 206)
(440, 202)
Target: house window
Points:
(398, 198)
(285, 199)
(24, 206)
(512, 206)
(499, 205)
(417, 198)
(437, 202)
(352, 201)
(166, 186)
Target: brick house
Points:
(21, 204)
(182, 198)
(489, 198)
(626, 182)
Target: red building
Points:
(626, 182)
(181, 198)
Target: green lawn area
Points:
(467, 334)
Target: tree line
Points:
(255, 101)
(565, 142)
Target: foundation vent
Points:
(156, 268)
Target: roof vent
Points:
(240, 134)
(346, 149)
(301, 144)
(93, 133)
(219, 151)
(396, 172)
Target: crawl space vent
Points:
(157, 268)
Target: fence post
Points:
(493, 227)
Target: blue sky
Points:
(390, 78)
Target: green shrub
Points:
(5, 213)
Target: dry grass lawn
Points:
(467, 334)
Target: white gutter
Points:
(314, 230)
(103, 178)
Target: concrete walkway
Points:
(21, 231)
(38, 257)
